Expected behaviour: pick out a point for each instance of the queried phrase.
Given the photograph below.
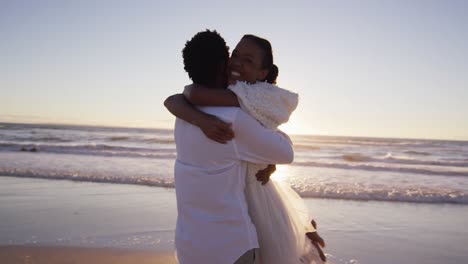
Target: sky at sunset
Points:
(361, 68)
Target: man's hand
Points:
(215, 129)
(317, 241)
(264, 175)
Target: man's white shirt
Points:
(213, 225)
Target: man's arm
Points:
(257, 144)
(211, 126)
(178, 106)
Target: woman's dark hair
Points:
(203, 56)
(267, 61)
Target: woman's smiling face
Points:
(245, 63)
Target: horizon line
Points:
(460, 139)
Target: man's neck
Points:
(209, 86)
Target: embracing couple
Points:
(227, 141)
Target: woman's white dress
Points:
(277, 211)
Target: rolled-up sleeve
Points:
(257, 144)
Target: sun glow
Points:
(282, 173)
(298, 126)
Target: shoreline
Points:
(170, 186)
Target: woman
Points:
(278, 213)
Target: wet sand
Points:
(75, 255)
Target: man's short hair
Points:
(203, 55)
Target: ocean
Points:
(347, 168)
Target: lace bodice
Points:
(268, 103)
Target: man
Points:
(213, 224)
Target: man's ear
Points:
(221, 68)
(221, 78)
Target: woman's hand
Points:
(216, 129)
(317, 241)
(264, 175)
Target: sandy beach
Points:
(50, 221)
(71, 255)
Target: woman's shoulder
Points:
(265, 93)
(268, 103)
(260, 87)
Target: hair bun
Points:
(272, 74)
